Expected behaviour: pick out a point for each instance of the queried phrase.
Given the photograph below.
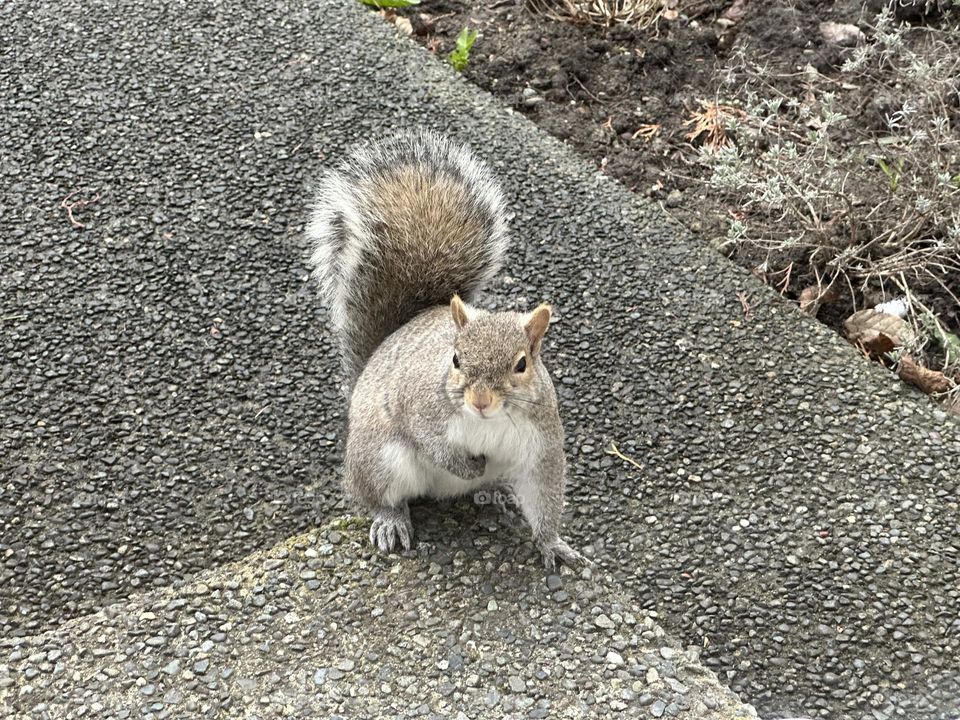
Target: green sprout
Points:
(892, 173)
(461, 55)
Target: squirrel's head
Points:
(494, 361)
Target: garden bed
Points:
(815, 143)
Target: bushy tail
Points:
(399, 226)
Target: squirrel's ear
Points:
(536, 327)
(461, 314)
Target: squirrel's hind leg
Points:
(391, 528)
(383, 476)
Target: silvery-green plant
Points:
(822, 199)
(865, 212)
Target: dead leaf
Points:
(877, 332)
(881, 344)
(735, 12)
(814, 296)
(842, 34)
(404, 25)
(932, 382)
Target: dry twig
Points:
(77, 205)
(615, 451)
(647, 131)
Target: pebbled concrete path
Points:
(166, 397)
(317, 628)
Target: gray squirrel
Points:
(444, 398)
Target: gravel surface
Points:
(167, 402)
(317, 627)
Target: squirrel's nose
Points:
(482, 400)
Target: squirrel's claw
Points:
(391, 528)
(559, 553)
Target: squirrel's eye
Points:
(456, 361)
(521, 365)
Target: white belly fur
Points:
(510, 445)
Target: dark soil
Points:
(600, 89)
(595, 87)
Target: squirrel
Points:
(444, 398)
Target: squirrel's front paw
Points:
(558, 553)
(470, 467)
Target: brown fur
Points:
(421, 260)
(400, 226)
